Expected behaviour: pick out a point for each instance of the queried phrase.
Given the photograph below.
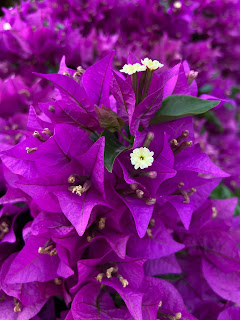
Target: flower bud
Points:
(47, 132)
(31, 150)
(148, 140)
(139, 193)
(51, 108)
(150, 201)
(37, 135)
(191, 76)
(109, 119)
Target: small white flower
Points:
(7, 26)
(142, 158)
(177, 4)
(132, 68)
(139, 67)
(152, 65)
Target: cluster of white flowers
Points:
(137, 67)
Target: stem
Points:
(90, 130)
(134, 80)
(124, 137)
(141, 85)
(147, 83)
(95, 133)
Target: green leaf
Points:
(179, 106)
(112, 149)
(235, 91)
(237, 211)
(222, 192)
(229, 106)
(60, 26)
(211, 117)
(170, 276)
(206, 89)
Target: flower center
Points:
(79, 186)
(112, 272)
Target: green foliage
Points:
(223, 192)
(212, 118)
(179, 106)
(112, 149)
(170, 276)
(206, 89)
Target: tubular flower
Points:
(151, 64)
(132, 68)
(142, 158)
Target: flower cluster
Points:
(107, 196)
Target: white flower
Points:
(7, 26)
(132, 68)
(139, 67)
(142, 158)
(177, 4)
(152, 65)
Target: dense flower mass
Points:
(114, 165)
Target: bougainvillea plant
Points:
(106, 208)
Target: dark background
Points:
(6, 3)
